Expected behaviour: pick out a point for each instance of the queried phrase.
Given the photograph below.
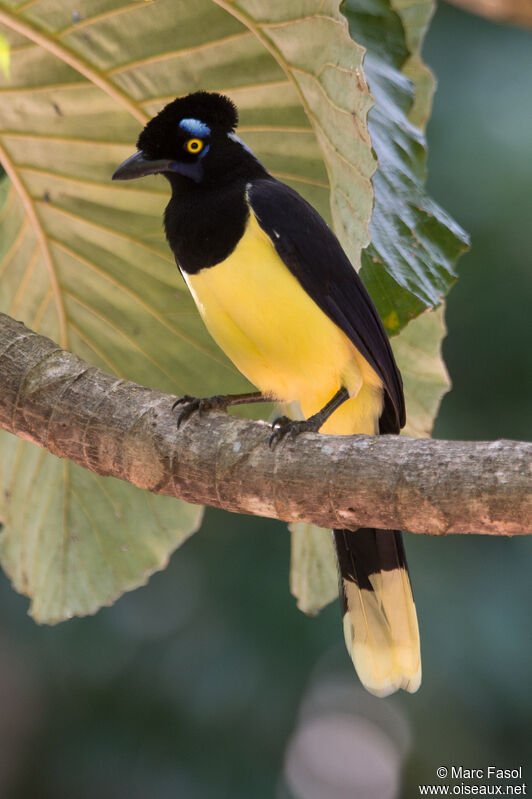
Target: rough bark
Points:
(114, 427)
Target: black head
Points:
(192, 137)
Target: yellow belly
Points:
(277, 336)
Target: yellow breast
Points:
(276, 335)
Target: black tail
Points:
(380, 622)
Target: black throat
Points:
(205, 221)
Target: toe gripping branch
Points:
(220, 402)
(284, 426)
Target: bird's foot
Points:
(199, 405)
(283, 426)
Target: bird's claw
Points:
(199, 405)
(283, 426)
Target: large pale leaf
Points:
(84, 260)
(418, 353)
(74, 541)
(416, 16)
(313, 570)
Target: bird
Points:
(280, 297)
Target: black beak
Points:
(137, 166)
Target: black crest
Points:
(215, 110)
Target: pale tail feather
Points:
(380, 622)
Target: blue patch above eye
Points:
(232, 135)
(195, 127)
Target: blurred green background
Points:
(208, 683)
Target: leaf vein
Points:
(154, 59)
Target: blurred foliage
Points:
(191, 687)
(517, 12)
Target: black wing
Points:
(315, 257)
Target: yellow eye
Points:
(194, 146)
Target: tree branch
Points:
(114, 427)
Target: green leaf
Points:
(84, 260)
(74, 541)
(409, 265)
